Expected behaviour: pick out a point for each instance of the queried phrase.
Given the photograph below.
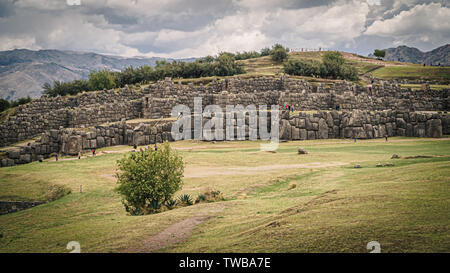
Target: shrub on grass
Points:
(209, 195)
(148, 179)
(186, 199)
(170, 204)
(55, 192)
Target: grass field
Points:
(413, 72)
(333, 208)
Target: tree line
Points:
(4, 104)
(222, 65)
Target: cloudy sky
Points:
(194, 28)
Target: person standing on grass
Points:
(386, 136)
(355, 139)
(56, 157)
(93, 152)
(156, 147)
(79, 155)
(135, 146)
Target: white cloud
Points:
(178, 28)
(426, 23)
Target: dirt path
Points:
(178, 232)
(174, 233)
(109, 176)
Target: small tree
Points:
(265, 51)
(279, 53)
(379, 53)
(148, 179)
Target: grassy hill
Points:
(265, 66)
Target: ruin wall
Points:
(302, 126)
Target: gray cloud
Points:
(181, 28)
(6, 8)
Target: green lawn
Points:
(413, 72)
(333, 208)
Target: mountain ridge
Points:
(404, 53)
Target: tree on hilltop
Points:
(279, 53)
(379, 53)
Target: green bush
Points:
(20, 102)
(333, 62)
(209, 195)
(4, 104)
(170, 204)
(55, 192)
(348, 73)
(100, 80)
(265, 51)
(303, 68)
(279, 53)
(186, 199)
(332, 66)
(147, 179)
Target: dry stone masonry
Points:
(68, 125)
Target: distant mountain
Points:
(414, 55)
(23, 72)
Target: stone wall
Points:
(302, 126)
(362, 125)
(162, 97)
(157, 100)
(14, 206)
(86, 109)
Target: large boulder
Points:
(323, 129)
(100, 142)
(72, 145)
